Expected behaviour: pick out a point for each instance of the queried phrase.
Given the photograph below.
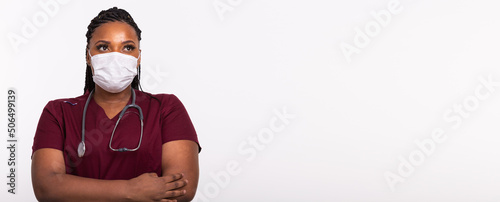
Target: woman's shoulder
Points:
(164, 102)
(163, 98)
(61, 102)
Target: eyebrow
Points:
(107, 42)
(129, 41)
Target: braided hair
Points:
(111, 15)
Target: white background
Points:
(233, 69)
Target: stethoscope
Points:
(81, 146)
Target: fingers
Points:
(168, 200)
(173, 177)
(153, 187)
(176, 185)
(171, 185)
(175, 193)
(174, 181)
(169, 195)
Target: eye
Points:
(129, 48)
(102, 47)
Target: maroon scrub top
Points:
(60, 127)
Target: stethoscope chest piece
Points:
(81, 149)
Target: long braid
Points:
(111, 15)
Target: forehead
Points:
(114, 31)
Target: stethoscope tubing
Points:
(81, 146)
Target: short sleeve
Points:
(49, 130)
(176, 124)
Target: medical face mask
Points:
(114, 71)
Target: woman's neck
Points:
(102, 96)
(112, 103)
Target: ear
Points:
(140, 57)
(87, 58)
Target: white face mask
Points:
(114, 71)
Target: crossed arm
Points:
(177, 183)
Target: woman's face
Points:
(114, 37)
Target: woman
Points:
(134, 146)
